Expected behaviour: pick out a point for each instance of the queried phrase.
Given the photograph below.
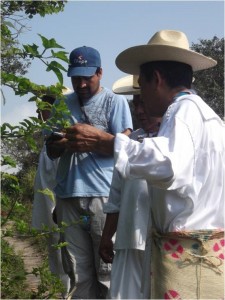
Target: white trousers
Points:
(126, 275)
(84, 218)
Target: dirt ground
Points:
(32, 259)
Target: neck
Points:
(180, 89)
(176, 91)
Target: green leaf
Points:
(55, 64)
(58, 74)
(61, 55)
(49, 43)
(23, 123)
(4, 125)
(48, 193)
(7, 160)
(60, 245)
(7, 23)
(32, 99)
(32, 49)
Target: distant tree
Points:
(14, 15)
(31, 8)
(209, 83)
(10, 59)
(20, 142)
(16, 58)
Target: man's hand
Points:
(106, 250)
(55, 146)
(106, 244)
(86, 138)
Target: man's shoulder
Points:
(196, 103)
(70, 96)
(66, 98)
(112, 95)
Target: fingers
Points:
(106, 256)
(79, 127)
(106, 251)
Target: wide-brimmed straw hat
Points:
(127, 85)
(66, 91)
(165, 45)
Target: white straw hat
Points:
(165, 45)
(127, 85)
(66, 91)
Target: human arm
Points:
(111, 208)
(86, 138)
(82, 138)
(165, 161)
(106, 244)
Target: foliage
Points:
(10, 196)
(22, 155)
(14, 15)
(210, 83)
(14, 65)
(51, 54)
(12, 274)
(27, 182)
(20, 145)
(50, 285)
(32, 8)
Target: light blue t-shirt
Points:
(90, 174)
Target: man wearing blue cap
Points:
(85, 172)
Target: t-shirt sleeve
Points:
(120, 116)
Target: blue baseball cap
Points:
(84, 61)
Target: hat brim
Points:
(66, 91)
(124, 86)
(130, 60)
(81, 71)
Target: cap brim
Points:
(124, 86)
(81, 71)
(130, 60)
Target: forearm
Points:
(86, 138)
(106, 244)
(105, 144)
(110, 225)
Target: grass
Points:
(16, 210)
(13, 275)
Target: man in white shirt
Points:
(128, 213)
(43, 205)
(185, 166)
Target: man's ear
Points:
(100, 72)
(158, 78)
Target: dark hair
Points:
(98, 70)
(175, 73)
(48, 98)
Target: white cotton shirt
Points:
(185, 165)
(43, 205)
(130, 198)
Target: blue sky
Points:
(111, 27)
